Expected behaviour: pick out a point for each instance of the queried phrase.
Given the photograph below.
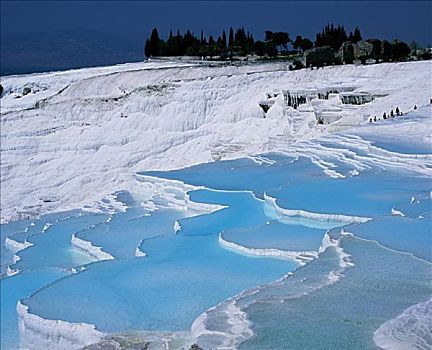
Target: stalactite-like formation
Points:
(325, 95)
(356, 99)
(293, 99)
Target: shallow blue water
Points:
(399, 233)
(343, 315)
(52, 248)
(369, 195)
(6, 254)
(181, 276)
(406, 148)
(301, 184)
(20, 231)
(16, 288)
(245, 174)
(185, 273)
(278, 236)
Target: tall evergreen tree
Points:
(147, 49)
(231, 38)
(224, 39)
(357, 35)
(154, 43)
(171, 45)
(178, 44)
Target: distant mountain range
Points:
(60, 50)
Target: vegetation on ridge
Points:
(241, 43)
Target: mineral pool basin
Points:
(184, 274)
(181, 276)
(301, 184)
(380, 286)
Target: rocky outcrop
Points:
(371, 49)
(363, 50)
(367, 51)
(348, 53)
(320, 56)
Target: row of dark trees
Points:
(335, 36)
(236, 43)
(241, 43)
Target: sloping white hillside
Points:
(81, 135)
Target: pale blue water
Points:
(181, 276)
(372, 194)
(277, 235)
(185, 273)
(301, 184)
(399, 233)
(419, 206)
(15, 288)
(167, 290)
(380, 286)
(52, 248)
(245, 174)
(6, 254)
(20, 231)
(405, 148)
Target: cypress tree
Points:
(147, 49)
(243, 35)
(171, 45)
(178, 44)
(224, 40)
(231, 38)
(357, 35)
(154, 43)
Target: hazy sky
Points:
(133, 20)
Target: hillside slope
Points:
(81, 135)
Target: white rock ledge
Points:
(348, 219)
(87, 247)
(299, 257)
(16, 246)
(39, 333)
